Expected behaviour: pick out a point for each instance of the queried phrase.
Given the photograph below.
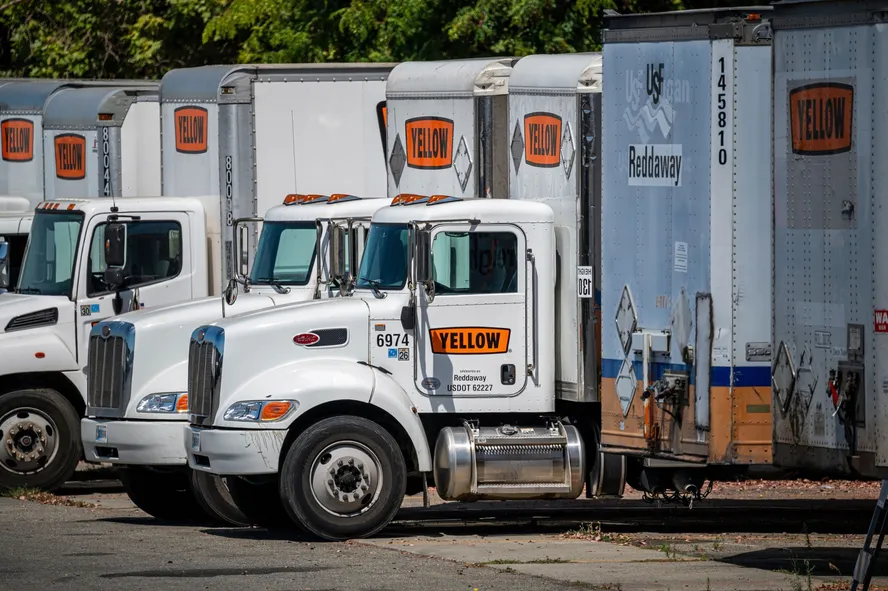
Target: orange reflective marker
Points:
(274, 410)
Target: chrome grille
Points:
(106, 377)
(203, 360)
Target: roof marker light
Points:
(434, 199)
(342, 197)
(408, 199)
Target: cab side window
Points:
(475, 262)
(154, 254)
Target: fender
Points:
(309, 382)
(36, 350)
(390, 397)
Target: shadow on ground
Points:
(818, 562)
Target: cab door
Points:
(471, 336)
(158, 264)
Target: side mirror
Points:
(115, 277)
(423, 256)
(338, 251)
(4, 252)
(408, 317)
(115, 244)
(241, 248)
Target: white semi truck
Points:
(686, 240)
(194, 122)
(323, 109)
(446, 363)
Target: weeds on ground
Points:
(45, 498)
(802, 579)
(545, 560)
(592, 532)
(669, 550)
(598, 586)
(717, 545)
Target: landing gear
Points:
(343, 478)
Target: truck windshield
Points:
(384, 265)
(286, 253)
(48, 267)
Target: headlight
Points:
(260, 410)
(164, 403)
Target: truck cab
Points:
(137, 393)
(64, 288)
(15, 223)
(446, 348)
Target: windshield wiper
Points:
(32, 290)
(374, 287)
(275, 283)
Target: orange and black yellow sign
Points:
(542, 139)
(70, 156)
(820, 116)
(17, 140)
(470, 340)
(191, 130)
(429, 143)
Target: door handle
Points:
(531, 258)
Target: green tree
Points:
(107, 38)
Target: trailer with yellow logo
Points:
(829, 370)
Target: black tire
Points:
(315, 443)
(212, 494)
(163, 495)
(56, 467)
(260, 503)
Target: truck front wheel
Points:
(163, 495)
(211, 492)
(343, 478)
(39, 439)
(260, 502)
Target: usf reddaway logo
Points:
(651, 95)
(650, 101)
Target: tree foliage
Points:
(145, 38)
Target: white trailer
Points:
(449, 368)
(102, 142)
(685, 242)
(297, 126)
(448, 124)
(21, 132)
(251, 134)
(830, 368)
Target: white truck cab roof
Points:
(312, 207)
(407, 208)
(91, 207)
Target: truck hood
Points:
(21, 312)
(160, 346)
(258, 342)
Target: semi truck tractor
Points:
(830, 299)
(200, 132)
(64, 287)
(138, 381)
(685, 245)
(298, 117)
(443, 369)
